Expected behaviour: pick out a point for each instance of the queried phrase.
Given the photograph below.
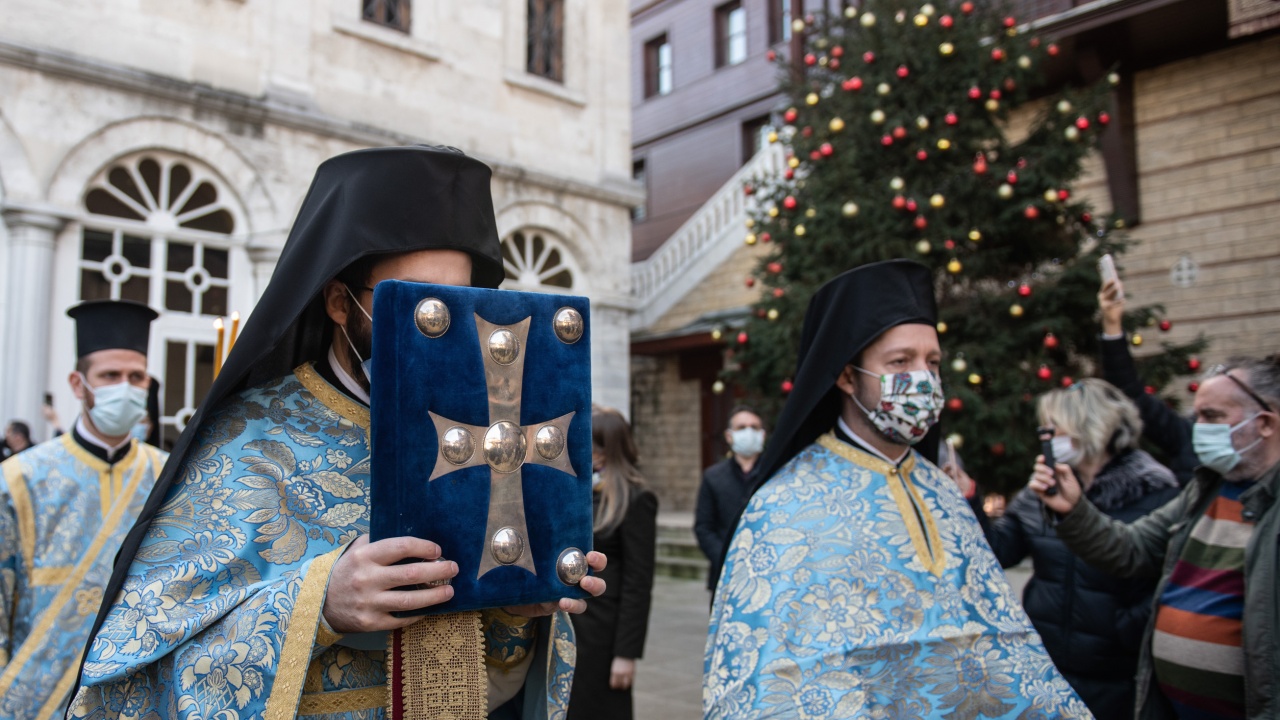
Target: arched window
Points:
(536, 260)
(159, 230)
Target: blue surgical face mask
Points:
(747, 442)
(366, 364)
(116, 408)
(1212, 443)
(139, 432)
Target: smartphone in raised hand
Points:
(1107, 269)
(1045, 434)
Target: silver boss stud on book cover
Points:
(481, 413)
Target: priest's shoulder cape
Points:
(856, 588)
(63, 514)
(220, 612)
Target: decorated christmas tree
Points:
(919, 131)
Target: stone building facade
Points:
(1204, 147)
(159, 151)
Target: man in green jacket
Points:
(1211, 648)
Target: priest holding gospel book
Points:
(249, 586)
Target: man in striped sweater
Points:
(1211, 649)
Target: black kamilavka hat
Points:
(111, 325)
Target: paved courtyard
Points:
(669, 679)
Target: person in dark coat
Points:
(17, 437)
(1091, 623)
(611, 633)
(724, 488)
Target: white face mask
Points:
(746, 442)
(116, 408)
(364, 362)
(1064, 450)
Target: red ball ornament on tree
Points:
(997, 54)
(1193, 364)
(1063, 195)
(946, 21)
(771, 56)
(742, 338)
(1031, 212)
(750, 282)
(789, 202)
(774, 267)
(815, 155)
(1104, 118)
(765, 237)
(955, 404)
(966, 7)
(980, 164)
(975, 93)
(834, 64)
(1010, 85)
(1011, 178)
(790, 115)
(789, 174)
(951, 119)
(911, 206)
(920, 222)
(1052, 49)
(1044, 373)
(806, 131)
(921, 155)
(1086, 217)
(853, 83)
(810, 59)
(787, 386)
(998, 448)
(868, 57)
(1050, 341)
(1082, 123)
(1193, 386)
(1035, 42)
(899, 133)
(779, 292)
(1165, 326)
(994, 94)
(899, 202)
(1010, 22)
(837, 52)
(949, 244)
(1024, 290)
(887, 140)
(902, 71)
(1067, 381)
(1149, 389)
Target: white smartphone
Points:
(1107, 268)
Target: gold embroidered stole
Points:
(919, 521)
(62, 615)
(435, 667)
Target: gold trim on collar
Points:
(919, 521)
(331, 397)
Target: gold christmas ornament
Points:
(975, 235)
(811, 213)
(992, 105)
(717, 387)
(922, 122)
(1064, 106)
(1071, 133)
(944, 144)
(851, 12)
(1136, 339)
(772, 314)
(884, 88)
(1051, 195)
(975, 379)
(877, 116)
(927, 10)
(750, 223)
(1016, 310)
(942, 328)
(717, 333)
(773, 136)
(937, 200)
(1005, 191)
(954, 267)
(924, 247)
(868, 19)
(836, 125)
(799, 231)
(921, 20)
(897, 183)
(811, 99)
(797, 25)
(1113, 78)
(773, 211)
(959, 365)
(946, 49)
(822, 60)
(793, 162)
(750, 239)
(850, 209)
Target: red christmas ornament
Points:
(853, 83)
(779, 292)
(1086, 217)
(1044, 373)
(994, 94)
(911, 206)
(899, 202)
(946, 21)
(921, 155)
(815, 155)
(980, 164)
(899, 133)
(765, 237)
(955, 404)
(750, 282)
(1165, 325)
(1050, 341)
(1193, 386)
(1052, 49)
(868, 57)
(997, 54)
(921, 223)
(789, 174)
(1067, 381)
(1063, 195)
(786, 386)
(789, 202)
(760, 313)
(789, 116)
(834, 64)
(966, 7)
(837, 52)
(1010, 22)
(806, 131)
(1035, 42)
(975, 93)
(1193, 364)
(771, 56)
(774, 267)
(747, 190)
(1024, 290)
(1082, 123)
(887, 140)
(949, 244)
(1149, 389)
(1010, 85)
(902, 71)
(810, 59)
(742, 338)
(1022, 163)
(1104, 118)
(1031, 212)
(1011, 178)
(998, 448)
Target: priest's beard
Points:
(359, 345)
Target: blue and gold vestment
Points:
(221, 613)
(854, 588)
(63, 514)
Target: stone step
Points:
(684, 568)
(680, 549)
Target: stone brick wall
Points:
(665, 414)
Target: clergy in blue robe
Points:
(65, 506)
(858, 582)
(230, 599)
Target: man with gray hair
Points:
(1210, 649)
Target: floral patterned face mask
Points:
(909, 405)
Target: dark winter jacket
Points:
(1092, 623)
(720, 498)
(1168, 430)
(1152, 546)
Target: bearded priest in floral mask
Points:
(858, 583)
(65, 507)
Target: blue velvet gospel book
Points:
(481, 413)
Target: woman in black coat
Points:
(611, 633)
(1091, 623)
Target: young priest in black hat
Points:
(858, 583)
(249, 581)
(65, 507)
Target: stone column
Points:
(29, 279)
